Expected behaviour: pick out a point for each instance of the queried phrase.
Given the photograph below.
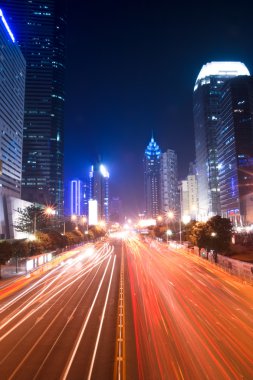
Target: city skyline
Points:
(130, 76)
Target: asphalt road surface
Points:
(192, 320)
(135, 310)
(63, 325)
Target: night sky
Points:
(131, 70)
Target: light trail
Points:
(47, 311)
(62, 288)
(101, 322)
(83, 328)
(186, 325)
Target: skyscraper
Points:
(235, 150)
(169, 181)
(12, 92)
(152, 183)
(99, 190)
(76, 197)
(207, 96)
(40, 31)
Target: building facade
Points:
(12, 92)
(235, 150)
(116, 212)
(207, 96)
(40, 28)
(169, 182)
(99, 190)
(189, 197)
(152, 181)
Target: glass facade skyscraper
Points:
(12, 92)
(207, 96)
(235, 150)
(152, 179)
(40, 27)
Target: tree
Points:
(199, 235)
(19, 249)
(6, 253)
(215, 234)
(220, 233)
(31, 219)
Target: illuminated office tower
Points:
(207, 115)
(76, 197)
(99, 190)
(152, 184)
(40, 31)
(12, 92)
(235, 150)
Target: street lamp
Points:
(170, 214)
(168, 233)
(85, 220)
(185, 219)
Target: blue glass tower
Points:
(207, 118)
(152, 183)
(40, 30)
(12, 94)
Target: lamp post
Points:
(168, 233)
(185, 219)
(85, 220)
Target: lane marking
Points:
(78, 340)
(120, 351)
(101, 322)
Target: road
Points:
(191, 319)
(63, 324)
(157, 314)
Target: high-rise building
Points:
(12, 92)
(116, 214)
(189, 197)
(76, 197)
(99, 190)
(40, 31)
(152, 182)
(169, 181)
(235, 150)
(207, 96)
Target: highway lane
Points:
(192, 320)
(54, 327)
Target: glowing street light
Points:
(185, 219)
(170, 214)
(168, 233)
(49, 211)
(159, 218)
(102, 223)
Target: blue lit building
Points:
(152, 180)
(235, 150)
(40, 29)
(207, 118)
(99, 190)
(76, 197)
(12, 92)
